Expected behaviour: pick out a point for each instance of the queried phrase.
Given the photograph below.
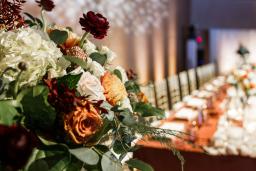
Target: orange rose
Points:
(82, 123)
(114, 89)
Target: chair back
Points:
(192, 80)
(162, 100)
(174, 89)
(183, 83)
(149, 91)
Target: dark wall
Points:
(223, 13)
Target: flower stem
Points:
(16, 85)
(43, 20)
(83, 39)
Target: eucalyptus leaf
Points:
(100, 58)
(40, 115)
(118, 74)
(58, 36)
(86, 155)
(138, 164)
(1, 86)
(39, 165)
(53, 163)
(7, 113)
(77, 61)
(120, 147)
(110, 163)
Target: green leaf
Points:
(146, 109)
(110, 163)
(39, 165)
(100, 58)
(104, 130)
(120, 147)
(77, 61)
(118, 74)
(53, 163)
(69, 28)
(39, 113)
(132, 87)
(134, 163)
(58, 36)
(86, 155)
(1, 86)
(127, 117)
(74, 165)
(7, 113)
(40, 23)
(70, 80)
(29, 16)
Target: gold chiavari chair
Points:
(149, 91)
(183, 83)
(192, 80)
(200, 75)
(162, 100)
(174, 89)
(211, 70)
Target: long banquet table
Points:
(196, 159)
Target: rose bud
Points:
(16, 145)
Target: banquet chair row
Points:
(167, 92)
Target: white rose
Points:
(123, 74)
(126, 104)
(90, 86)
(89, 47)
(110, 54)
(96, 69)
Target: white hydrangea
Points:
(89, 47)
(110, 54)
(96, 69)
(28, 45)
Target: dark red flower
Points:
(10, 17)
(95, 24)
(47, 5)
(16, 145)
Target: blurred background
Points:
(158, 38)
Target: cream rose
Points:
(90, 86)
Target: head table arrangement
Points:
(63, 104)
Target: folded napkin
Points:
(186, 114)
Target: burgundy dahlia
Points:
(47, 5)
(96, 24)
(16, 145)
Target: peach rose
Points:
(142, 97)
(82, 123)
(114, 89)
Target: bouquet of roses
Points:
(63, 105)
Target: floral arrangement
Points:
(63, 105)
(244, 78)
